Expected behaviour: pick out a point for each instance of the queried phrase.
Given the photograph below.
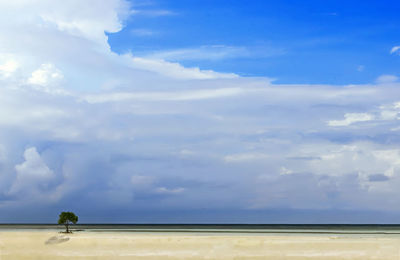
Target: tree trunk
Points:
(66, 227)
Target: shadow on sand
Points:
(56, 240)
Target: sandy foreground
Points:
(104, 245)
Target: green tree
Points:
(67, 218)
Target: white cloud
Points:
(46, 74)
(215, 52)
(389, 111)
(285, 171)
(389, 114)
(391, 156)
(360, 158)
(177, 71)
(125, 115)
(395, 50)
(387, 79)
(164, 96)
(351, 118)
(86, 21)
(147, 184)
(8, 68)
(31, 175)
(22, 108)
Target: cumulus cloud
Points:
(33, 175)
(47, 78)
(44, 74)
(83, 21)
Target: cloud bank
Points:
(86, 129)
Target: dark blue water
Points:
(217, 228)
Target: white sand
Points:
(22, 245)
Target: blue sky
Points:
(200, 111)
(329, 42)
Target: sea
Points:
(363, 230)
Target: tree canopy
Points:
(66, 218)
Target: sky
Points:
(172, 111)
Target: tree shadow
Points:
(56, 240)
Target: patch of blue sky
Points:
(314, 42)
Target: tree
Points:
(67, 218)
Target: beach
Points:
(131, 245)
